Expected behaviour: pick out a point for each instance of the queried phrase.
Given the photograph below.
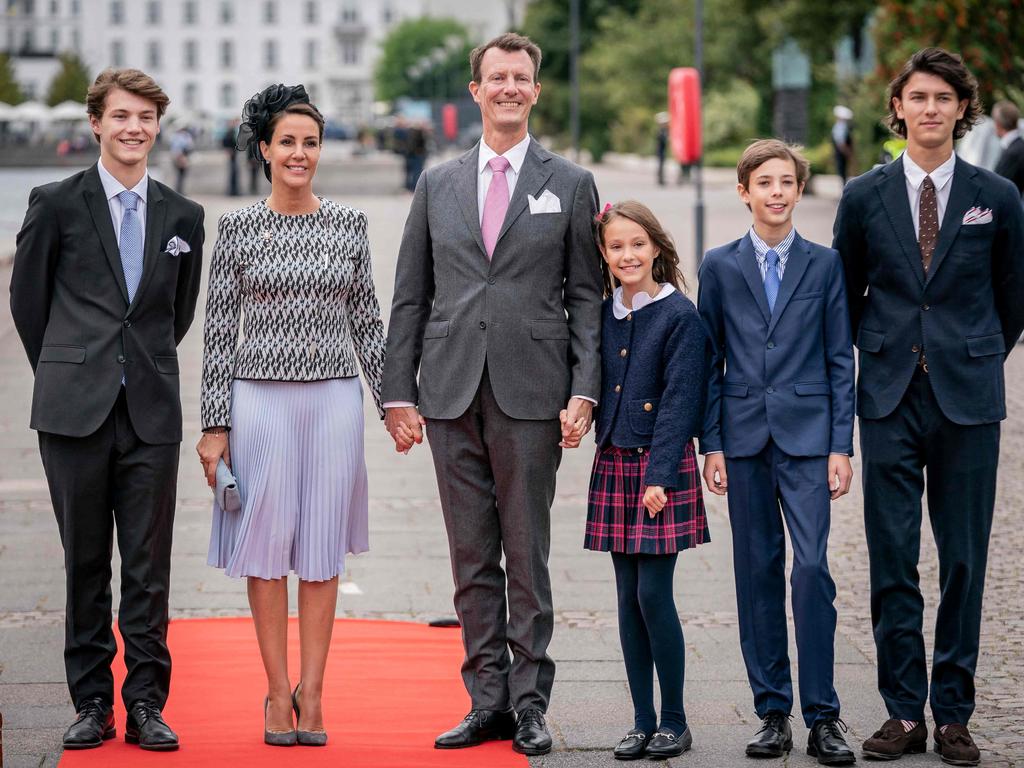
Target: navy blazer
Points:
(787, 375)
(967, 312)
(654, 366)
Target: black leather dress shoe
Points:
(478, 726)
(532, 737)
(632, 745)
(94, 724)
(665, 744)
(146, 727)
(826, 742)
(773, 739)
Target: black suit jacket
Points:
(70, 306)
(1011, 163)
(968, 311)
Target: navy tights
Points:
(651, 636)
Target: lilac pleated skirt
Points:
(297, 454)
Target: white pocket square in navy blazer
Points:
(176, 246)
(978, 216)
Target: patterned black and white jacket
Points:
(303, 288)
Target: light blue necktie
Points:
(771, 279)
(130, 243)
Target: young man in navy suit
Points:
(933, 250)
(779, 433)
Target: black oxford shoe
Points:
(94, 724)
(826, 742)
(146, 727)
(632, 745)
(665, 744)
(532, 737)
(774, 738)
(478, 726)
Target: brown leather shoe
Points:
(956, 745)
(891, 742)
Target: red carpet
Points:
(391, 687)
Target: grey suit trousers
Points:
(496, 477)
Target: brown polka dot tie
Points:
(928, 222)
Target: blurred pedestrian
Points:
(842, 141)
(1011, 162)
(661, 147)
(228, 143)
(181, 148)
(416, 149)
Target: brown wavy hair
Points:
(951, 68)
(134, 81)
(666, 263)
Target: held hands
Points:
(840, 475)
(576, 419)
(655, 499)
(715, 477)
(405, 425)
(212, 447)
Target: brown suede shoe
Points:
(956, 745)
(890, 742)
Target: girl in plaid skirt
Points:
(645, 502)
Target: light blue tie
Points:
(771, 279)
(130, 243)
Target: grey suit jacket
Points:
(532, 313)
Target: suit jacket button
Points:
(770, 390)
(915, 348)
(618, 387)
(771, 345)
(312, 349)
(623, 352)
(121, 358)
(127, 323)
(648, 407)
(640, 451)
(491, 281)
(483, 324)
(629, 316)
(925, 307)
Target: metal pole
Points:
(698, 178)
(574, 77)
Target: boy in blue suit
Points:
(779, 432)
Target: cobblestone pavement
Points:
(407, 575)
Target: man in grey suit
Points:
(497, 306)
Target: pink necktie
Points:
(495, 204)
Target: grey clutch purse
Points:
(226, 490)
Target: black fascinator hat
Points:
(258, 113)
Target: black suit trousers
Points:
(106, 479)
(913, 450)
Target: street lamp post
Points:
(574, 76)
(698, 177)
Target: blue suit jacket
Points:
(967, 312)
(786, 375)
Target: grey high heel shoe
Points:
(276, 738)
(306, 738)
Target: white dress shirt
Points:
(941, 177)
(112, 188)
(515, 156)
(761, 249)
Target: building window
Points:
(28, 42)
(227, 53)
(387, 14)
(54, 7)
(313, 93)
(311, 54)
(311, 12)
(76, 41)
(116, 12)
(270, 12)
(350, 52)
(153, 54)
(153, 12)
(350, 12)
(270, 54)
(191, 55)
(227, 12)
(117, 53)
(191, 95)
(54, 40)
(76, 7)
(190, 12)
(227, 96)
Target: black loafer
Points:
(774, 738)
(632, 745)
(95, 724)
(478, 726)
(826, 742)
(146, 727)
(665, 744)
(532, 737)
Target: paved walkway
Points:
(407, 574)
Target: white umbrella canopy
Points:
(31, 112)
(68, 111)
(6, 112)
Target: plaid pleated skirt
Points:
(617, 520)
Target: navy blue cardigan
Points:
(654, 368)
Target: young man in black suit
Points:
(105, 280)
(933, 250)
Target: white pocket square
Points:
(978, 216)
(177, 246)
(546, 203)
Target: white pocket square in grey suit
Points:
(546, 203)
(177, 246)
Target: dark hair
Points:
(134, 81)
(951, 68)
(510, 41)
(666, 263)
(761, 151)
(265, 109)
(1006, 115)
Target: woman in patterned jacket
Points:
(282, 404)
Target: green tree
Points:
(412, 41)
(10, 91)
(70, 83)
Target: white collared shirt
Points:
(515, 156)
(112, 188)
(941, 177)
(640, 301)
(761, 249)
(1008, 138)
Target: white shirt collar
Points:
(940, 176)
(640, 301)
(761, 248)
(515, 155)
(1008, 138)
(112, 187)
